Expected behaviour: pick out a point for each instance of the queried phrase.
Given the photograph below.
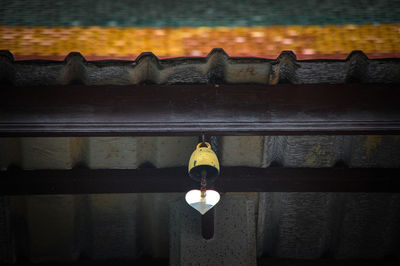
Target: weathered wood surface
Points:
(195, 109)
(231, 179)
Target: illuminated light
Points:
(202, 204)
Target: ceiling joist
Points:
(232, 179)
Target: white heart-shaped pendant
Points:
(202, 204)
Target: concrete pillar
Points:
(234, 241)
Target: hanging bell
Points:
(203, 159)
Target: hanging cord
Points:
(203, 183)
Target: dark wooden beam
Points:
(232, 179)
(149, 261)
(194, 109)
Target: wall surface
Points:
(288, 225)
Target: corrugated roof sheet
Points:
(217, 67)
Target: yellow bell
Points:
(203, 158)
